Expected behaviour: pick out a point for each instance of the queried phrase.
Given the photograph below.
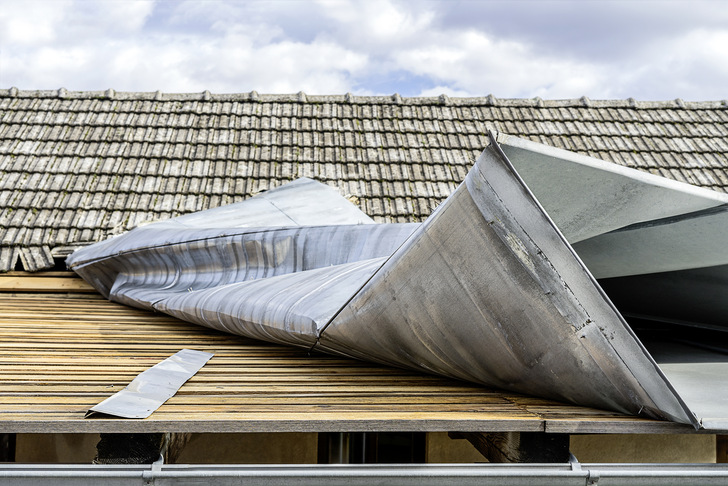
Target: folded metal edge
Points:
(151, 388)
(404, 317)
(661, 390)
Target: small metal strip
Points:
(151, 388)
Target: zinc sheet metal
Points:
(488, 289)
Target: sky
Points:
(647, 50)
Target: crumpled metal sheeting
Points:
(190, 260)
(288, 309)
(303, 202)
(279, 284)
(487, 290)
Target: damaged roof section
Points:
(77, 167)
(496, 286)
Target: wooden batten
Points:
(43, 282)
(63, 352)
(519, 447)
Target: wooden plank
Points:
(519, 447)
(42, 283)
(616, 425)
(319, 423)
(61, 354)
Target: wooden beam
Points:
(536, 447)
(43, 282)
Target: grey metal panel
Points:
(287, 309)
(152, 387)
(488, 290)
(694, 240)
(225, 269)
(586, 197)
(622, 221)
(700, 375)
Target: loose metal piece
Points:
(151, 388)
(496, 287)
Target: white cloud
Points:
(444, 90)
(473, 63)
(374, 47)
(31, 23)
(377, 24)
(696, 62)
(109, 17)
(228, 58)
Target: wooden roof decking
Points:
(61, 353)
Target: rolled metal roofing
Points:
(498, 286)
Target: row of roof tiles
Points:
(159, 194)
(128, 174)
(302, 97)
(291, 130)
(164, 113)
(77, 167)
(308, 147)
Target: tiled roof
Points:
(76, 167)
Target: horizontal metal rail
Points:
(354, 475)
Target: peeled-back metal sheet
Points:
(489, 289)
(152, 387)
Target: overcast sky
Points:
(649, 50)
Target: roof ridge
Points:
(348, 98)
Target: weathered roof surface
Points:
(84, 348)
(76, 167)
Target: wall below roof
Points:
(301, 448)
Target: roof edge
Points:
(348, 98)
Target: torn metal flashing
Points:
(498, 286)
(152, 387)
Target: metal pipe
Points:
(354, 475)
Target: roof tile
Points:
(141, 158)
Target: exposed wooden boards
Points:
(61, 354)
(45, 282)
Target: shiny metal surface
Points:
(500, 298)
(496, 287)
(277, 283)
(700, 375)
(588, 197)
(152, 387)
